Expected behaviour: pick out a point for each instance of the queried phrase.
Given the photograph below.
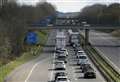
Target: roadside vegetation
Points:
(32, 53)
(102, 15)
(14, 20)
(99, 14)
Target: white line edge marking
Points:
(53, 66)
(26, 80)
(31, 71)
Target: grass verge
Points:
(25, 57)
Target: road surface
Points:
(42, 68)
(107, 44)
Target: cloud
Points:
(29, 2)
(69, 5)
(77, 5)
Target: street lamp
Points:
(86, 32)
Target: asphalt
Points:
(39, 66)
(42, 68)
(107, 45)
(74, 71)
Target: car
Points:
(62, 51)
(60, 74)
(84, 66)
(62, 58)
(82, 59)
(77, 48)
(80, 52)
(89, 73)
(60, 65)
(62, 79)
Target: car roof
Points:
(62, 77)
(61, 72)
(80, 51)
(83, 55)
(59, 61)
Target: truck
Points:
(60, 40)
(74, 38)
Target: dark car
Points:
(60, 74)
(88, 72)
(85, 67)
(62, 58)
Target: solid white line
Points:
(31, 71)
(26, 80)
(53, 66)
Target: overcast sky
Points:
(69, 5)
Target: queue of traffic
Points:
(81, 56)
(61, 54)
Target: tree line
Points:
(100, 14)
(14, 20)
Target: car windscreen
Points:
(82, 57)
(58, 62)
(61, 74)
(62, 79)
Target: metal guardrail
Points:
(37, 27)
(107, 70)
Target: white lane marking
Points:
(26, 80)
(53, 66)
(34, 66)
(74, 75)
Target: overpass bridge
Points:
(72, 27)
(70, 23)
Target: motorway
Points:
(42, 68)
(107, 45)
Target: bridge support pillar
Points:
(86, 37)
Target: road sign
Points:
(31, 38)
(44, 21)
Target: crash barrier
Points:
(107, 70)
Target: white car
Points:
(80, 52)
(63, 51)
(62, 79)
(83, 59)
(60, 65)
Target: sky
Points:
(69, 5)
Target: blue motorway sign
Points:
(44, 21)
(31, 38)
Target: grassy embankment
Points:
(25, 57)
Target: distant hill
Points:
(68, 14)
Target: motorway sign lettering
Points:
(31, 38)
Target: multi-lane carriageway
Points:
(42, 68)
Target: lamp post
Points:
(86, 33)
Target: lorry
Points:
(74, 38)
(60, 40)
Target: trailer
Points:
(60, 40)
(74, 38)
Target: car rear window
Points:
(62, 79)
(82, 57)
